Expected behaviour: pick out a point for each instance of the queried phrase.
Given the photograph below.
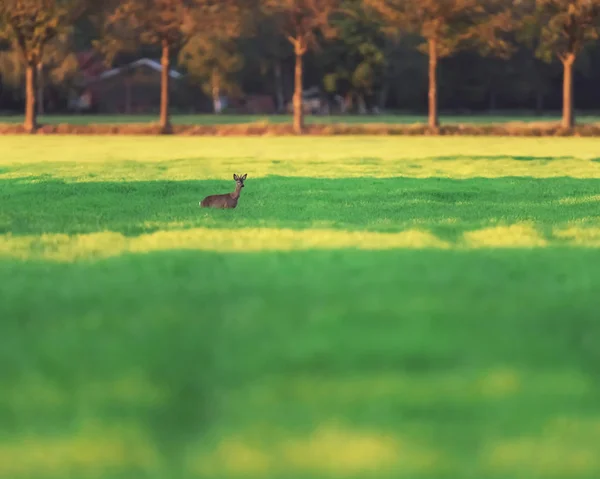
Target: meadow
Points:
(422, 308)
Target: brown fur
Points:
(227, 200)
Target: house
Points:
(131, 88)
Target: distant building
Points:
(133, 88)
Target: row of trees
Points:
(205, 31)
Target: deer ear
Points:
(245, 175)
(235, 177)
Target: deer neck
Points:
(236, 194)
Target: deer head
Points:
(240, 179)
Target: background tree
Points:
(355, 62)
(215, 62)
(561, 28)
(266, 53)
(31, 25)
(12, 74)
(56, 71)
(168, 25)
(531, 78)
(160, 23)
(446, 26)
(301, 21)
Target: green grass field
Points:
(225, 119)
(420, 308)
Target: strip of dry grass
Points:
(283, 129)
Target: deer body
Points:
(226, 200)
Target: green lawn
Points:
(208, 119)
(419, 308)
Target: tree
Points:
(446, 26)
(300, 21)
(265, 52)
(168, 25)
(355, 62)
(214, 61)
(530, 77)
(562, 28)
(31, 25)
(57, 69)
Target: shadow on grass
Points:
(174, 310)
(448, 207)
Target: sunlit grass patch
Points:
(213, 168)
(513, 236)
(579, 236)
(107, 244)
(579, 200)
(57, 247)
(94, 451)
(85, 159)
(329, 451)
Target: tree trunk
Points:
(279, 87)
(433, 106)
(30, 124)
(165, 123)
(40, 91)
(568, 117)
(298, 89)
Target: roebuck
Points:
(227, 200)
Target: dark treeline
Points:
(364, 55)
